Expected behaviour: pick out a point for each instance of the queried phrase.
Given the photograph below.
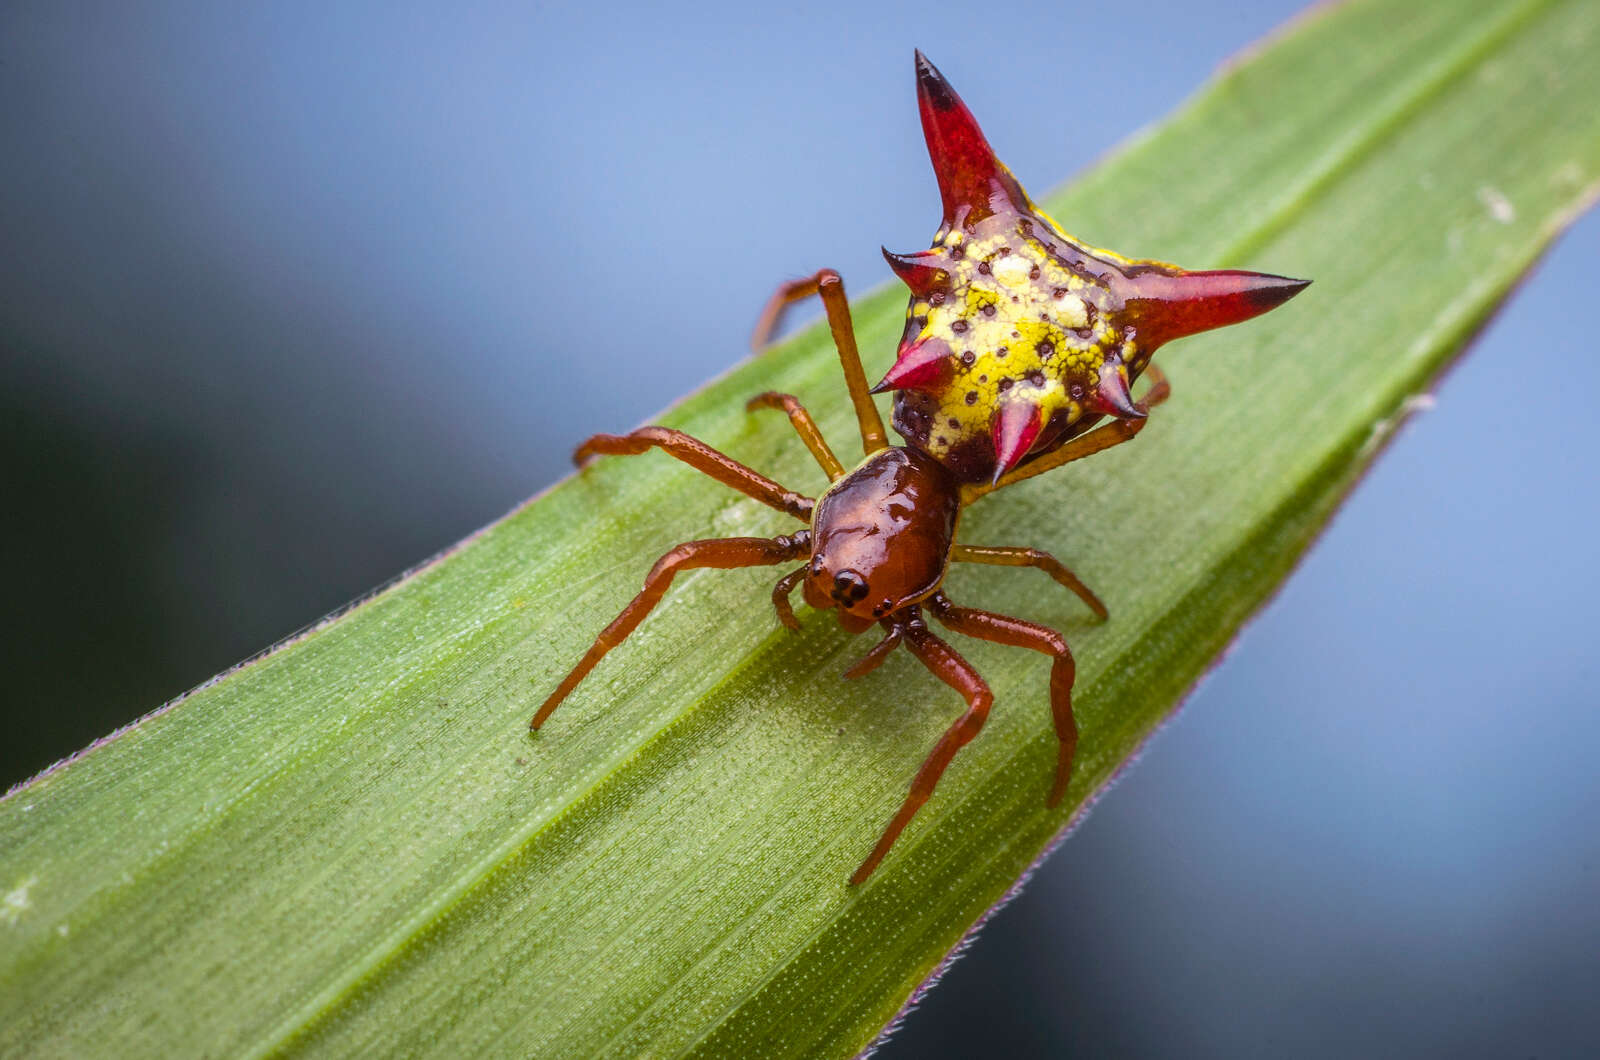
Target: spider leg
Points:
(780, 597)
(785, 296)
(804, 426)
(1159, 390)
(702, 458)
(723, 553)
(1002, 629)
(880, 651)
(830, 287)
(1098, 440)
(953, 670)
(1000, 556)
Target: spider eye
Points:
(849, 587)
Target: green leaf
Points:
(352, 845)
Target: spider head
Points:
(881, 537)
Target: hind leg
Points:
(1097, 440)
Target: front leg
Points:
(948, 666)
(700, 456)
(804, 426)
(827, 284)
(723, 553)
(986, 625)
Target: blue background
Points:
(284, 306)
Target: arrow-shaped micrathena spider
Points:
(1019, 340)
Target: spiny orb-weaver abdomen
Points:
(1018, 337)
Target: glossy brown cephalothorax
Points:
(881, 536)
(1019, 341)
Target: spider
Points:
(1019, 341)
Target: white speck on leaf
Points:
(1497, 204)
(1381, 430)
(15, 903)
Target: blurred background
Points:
(284, 301)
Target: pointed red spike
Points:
(1016, 427)
(1169, 305)
(1113, 395)
(921, 365)
(971, 178)
(922, 272)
